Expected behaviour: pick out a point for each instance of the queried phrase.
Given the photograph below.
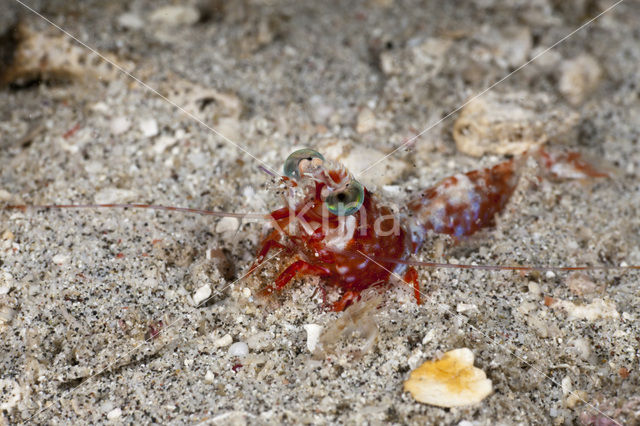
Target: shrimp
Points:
(343, 233)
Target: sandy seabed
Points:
(97, 318)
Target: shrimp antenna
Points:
(509, 268)
(260, 216)
(267, 171)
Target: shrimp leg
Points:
(299, 266)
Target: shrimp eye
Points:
(300, 159)
(346, 201)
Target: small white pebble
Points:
(239, 349)
(534, 288)
(149, 127)
(526, 307)
(392, 189)
(464, 307)
(539, 325)
(246, 292)
(11, 394)
(94, 167)
(581, 347)
(6, 314)
(120, 125)
(550, 274)
(567, 386)
(225, 340)
(6, 282)
(100, 107)
(114, 414)
(579, 77)
(415, 358)
(130, 21)
(201, 294)
(227, 224)
(199, 159)
(366, 121)
(313, 334)
(60, 259)
(175, 16)
(163, 142)
(208, 377)
(248, 193)
(114, 195)
(107, 406)
(429, 336)
(259, 341)
(576, 397)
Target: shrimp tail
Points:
(467, 202)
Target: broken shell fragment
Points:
(451, 381)
(598, 309)
(511, 123)
(33, 55)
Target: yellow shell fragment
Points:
(451, 381)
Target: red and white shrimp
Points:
(342, 232)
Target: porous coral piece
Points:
(29, 55)
(510, 123)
